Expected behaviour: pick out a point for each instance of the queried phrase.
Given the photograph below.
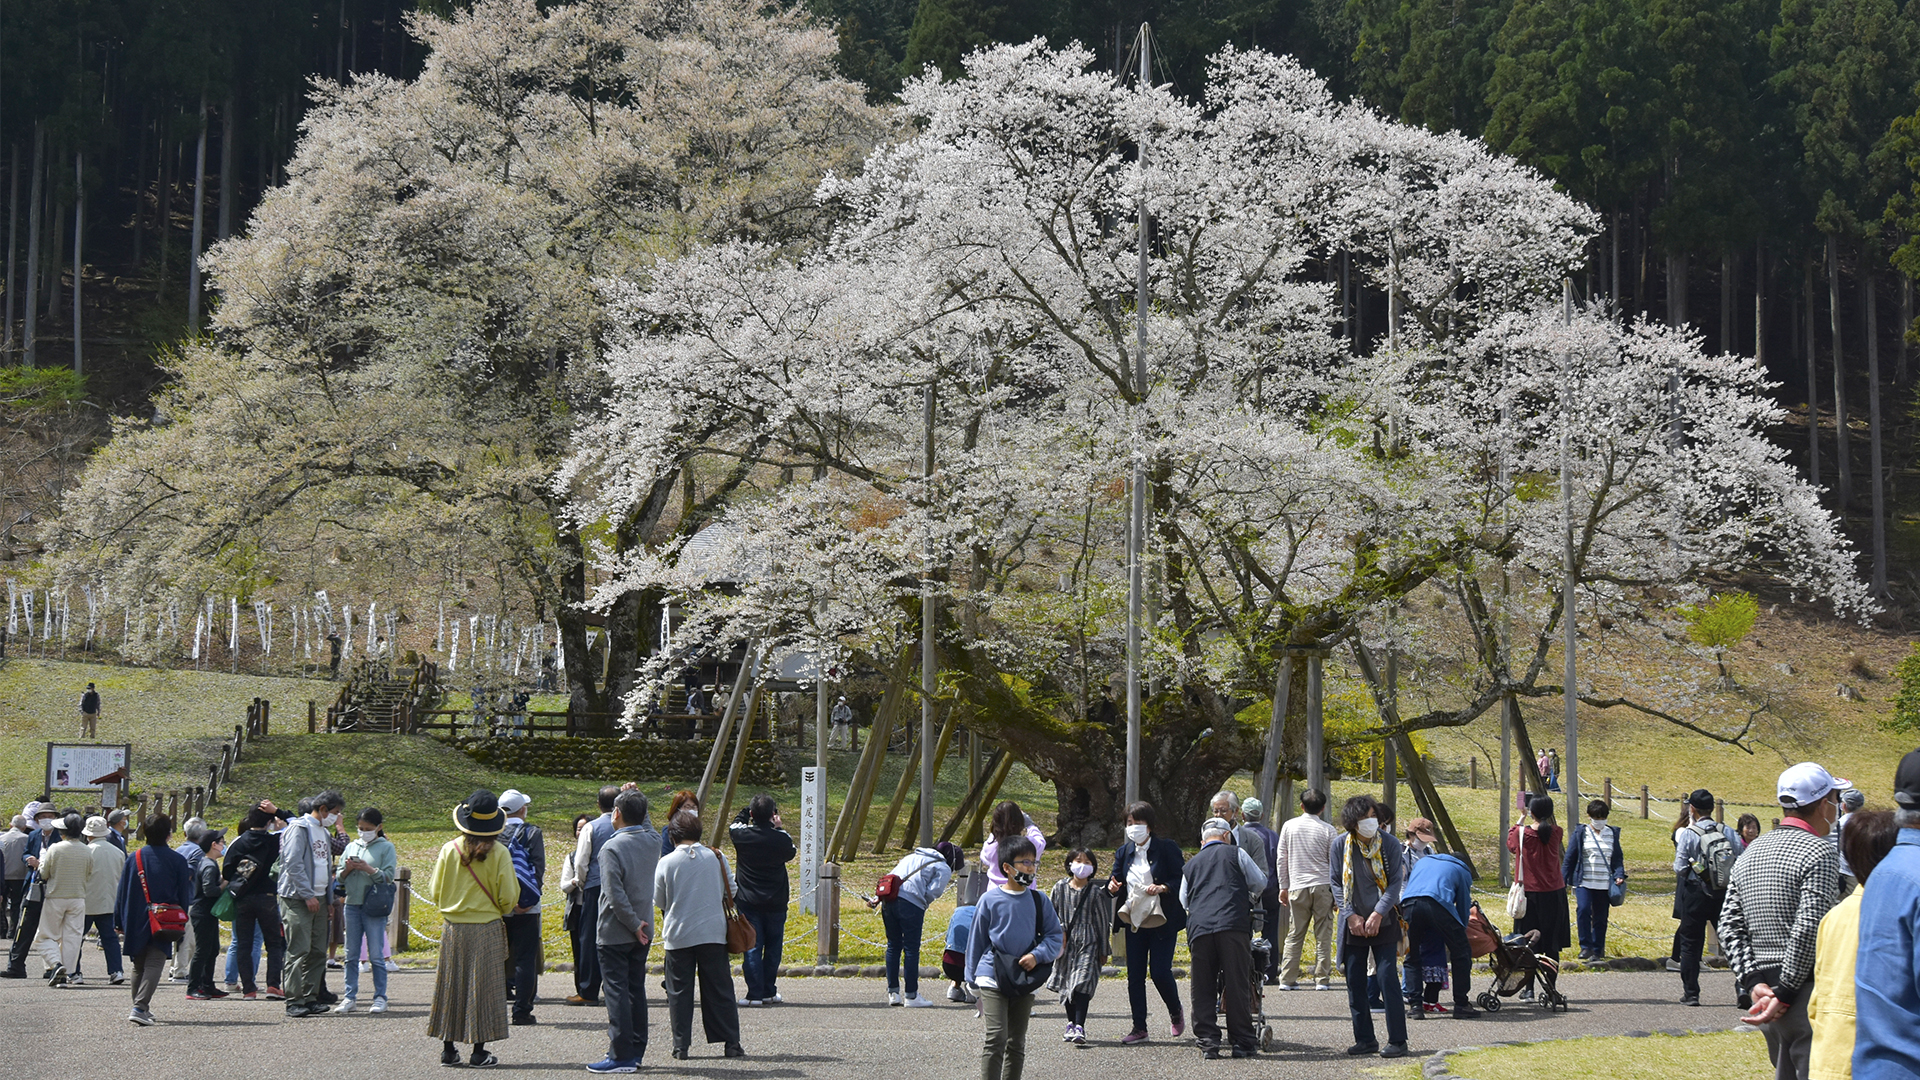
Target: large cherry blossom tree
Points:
(1302, 484)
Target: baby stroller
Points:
(1262, 951)
(1516, 966)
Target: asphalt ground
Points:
(828, 1027)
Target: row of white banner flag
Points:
(493, 643)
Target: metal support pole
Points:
(1316, 732)
(1137, 526)
(1567, 609)
(929, 659)
(1506, 786)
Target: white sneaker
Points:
(893, 997)
(379, 1005)
(391, 966)
(919, 1001)
(776, 1000)
(75, 980)
(141, 1017)
(954, 993)
(753, 1001)
(345, 1006)
(366, 966)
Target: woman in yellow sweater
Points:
(474, 887)
(1868, 837)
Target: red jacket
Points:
(1540, 862)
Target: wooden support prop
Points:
(1606, 793)
(977, 826)
(311, 706)
(870, 755)
(1270, 762)
(1418, 779)
(266, 714)
(1720, 811)
(1473, 774)
(739, 757)
(912, 831)
(861, 800)
(402, 907)
(747, 663)
(1643, 802)
(908, 774)
(963, 812)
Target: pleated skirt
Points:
(470, 987)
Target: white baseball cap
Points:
(513, 800)
(1807, 783)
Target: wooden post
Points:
(1643, 802)
(397, 918)
(853, 811)
(1720, 811)
(1270, 761)
(1373, 765)
(827, 905)
(239, 736)
(312, 708)
(1606, 792)
(173, 805)
(1473, 773)
(266, 714)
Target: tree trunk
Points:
(1842, 464)
(199, 222)
(34, 209)
(1726, 301)
(1760, 305)
(13, 244)
(1906, 323)
(79, 259)
(583, 695)
(140, 201)
(163, 206)
(227, 128)
(1677, 290)
(1875, 478)
(1813, 382)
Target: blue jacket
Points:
(1005, 921)
(1573, 863)
(1165, 859)
(168, 882)
(1444, 878)
(1886, 994)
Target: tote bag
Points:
(1517, 892)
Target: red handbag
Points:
(168, 922)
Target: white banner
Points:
(813, 827)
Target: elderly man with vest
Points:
(1218, 887)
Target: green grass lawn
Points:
(1732, 1055)
(175, 720)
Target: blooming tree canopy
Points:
(1302, 483)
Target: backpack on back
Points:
(1714, 865)
(523, 870)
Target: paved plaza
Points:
(829, 1027)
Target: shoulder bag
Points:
(1517, 892)
(1012, 979)
(167, 922)
(740, 934)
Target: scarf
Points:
(1369, 852)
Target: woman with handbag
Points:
(691, 887)
(1016, 936)
(1539, 847)
(1146, 870)
(151, 910)
(367, 869)
(1595, 869)
(1369, 872)
(474, 888)
(903, 897)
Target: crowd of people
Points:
(1826, 966)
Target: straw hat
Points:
(480, 815)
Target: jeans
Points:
(109, 941)
(1592, 910)
(306, 962)
(1310, 907)
(586, 966)
(260, 912)
(523, 960)
(623, 973)
(1426, 918)
(1384, 951)
(206, 949)
(719, 1013)
(1151, 952)
(374, 933)
(1003, 1053)
(904, 921)
(761, 964)
(233, 956)
(1223, 967)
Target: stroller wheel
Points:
(1266, 1037)
(1490, 1001)
(1556, 1002)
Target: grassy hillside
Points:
(174, 719)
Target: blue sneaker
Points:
(609, 1065)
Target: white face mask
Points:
(1137, 833)
(1082, 870)
(1369, 828)
(1598, 823)
(330, 820)
(367, 835)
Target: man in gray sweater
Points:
(306, 879)
(624, 930)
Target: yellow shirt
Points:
(1830, 1005)
(463, 899)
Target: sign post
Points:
(813, 826)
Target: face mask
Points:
(367, 835)
(1137, 833)
(1024, 877)
(1369, 828)
(1598, 823)
(330, 820)
(1082, 870)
